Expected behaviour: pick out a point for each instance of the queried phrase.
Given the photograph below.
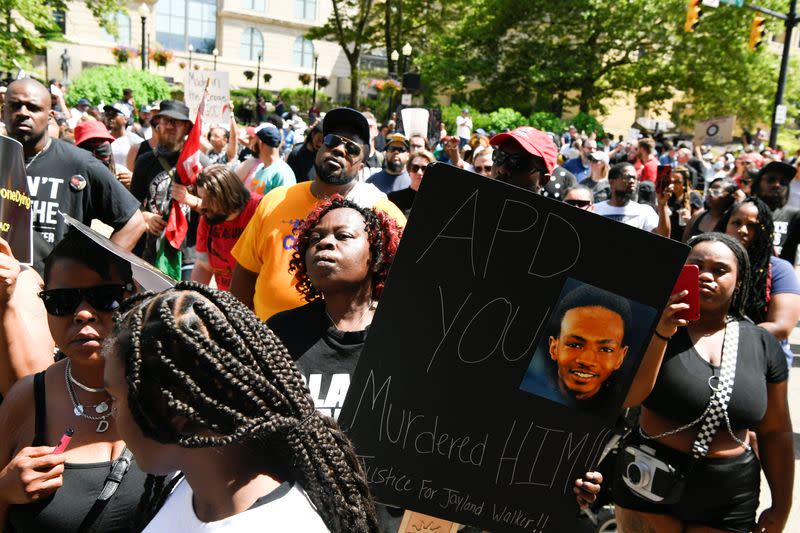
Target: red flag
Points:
(188, 167)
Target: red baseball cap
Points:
(91, 129)
(533, 141)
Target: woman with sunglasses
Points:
(482, 161)
(719, 197)
(417, 163)
(42, 491)
(682, 203)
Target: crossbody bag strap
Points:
(718, 406)
(119, 467)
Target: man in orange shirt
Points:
(261, 278)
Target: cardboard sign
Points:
(15, 201)
(714, 131)
(470, 401)
(145, 274)
(217, 111)
(422, 523)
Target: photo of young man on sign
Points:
(588, 354)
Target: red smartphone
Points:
(64, 442)
(689, 280)
(663, 177)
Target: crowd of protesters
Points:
(216, 407)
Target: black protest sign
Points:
(504, 344)
(15, 201)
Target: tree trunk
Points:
(354, 79)
(387, 32)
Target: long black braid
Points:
(199, 354)
(759, 252)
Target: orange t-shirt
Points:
(267, 244)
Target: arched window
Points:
(303, 52)
(305, 9)
(252, 44)
(123, 29)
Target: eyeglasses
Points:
(352, 148)
(514, 162)
(401, 149)
(62, 302)
(485, 168)
(578, 203)
(715, 193)
(419, 168)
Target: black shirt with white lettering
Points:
(68, 179)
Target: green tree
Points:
(106, 84)
(26, 25)
(349, 26)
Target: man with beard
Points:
(772, 186)
(152, 184)
(261, 278)
(227, 207)
(62, 177)
(621, 207)
(393, 177)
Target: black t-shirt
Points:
(787, 232)
(676, 230)
(68, 179)
(403, 199)
(681, 392)
(151, 185)
(325, 356)
(301, 161)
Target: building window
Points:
(123, 29)
(305, 9)
(180, 23)
(252, 44)
(256, 5)
(303, 52)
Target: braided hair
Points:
(199, 354)
(743, 269)
(382, 232)
(759, 252)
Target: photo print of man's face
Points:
(588, 349)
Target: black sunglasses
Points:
(401, 149)
(419, 168)
(61, 302)
(514, 162)
(352, 148)
(578, 203)
(485, 168)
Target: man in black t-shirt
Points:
(152, 184)
(62, 177)
(772, 186)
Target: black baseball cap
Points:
(346, 119)
(778, 167)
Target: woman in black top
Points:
(720, 196)
(674, 386)
(683, 202)
(84, 284)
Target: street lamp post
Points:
(143, 12)
(395, 55)
(406, 56)
(258, 77)
(216, 53)
(314, 96)
(191, 49)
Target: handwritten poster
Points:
(470, 402)
(217, 110)
(15, 201)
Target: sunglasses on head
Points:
(578, 203)
(61, 302)
(513, 161)
(352, 148)
(419, 168)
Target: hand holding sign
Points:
(9, 271)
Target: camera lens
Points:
(634, 473)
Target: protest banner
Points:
(465, 404)
(217, 110)
(715, 130)
(15, 201)
(145, 274)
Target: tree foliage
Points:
(105, 84)
(27, 25)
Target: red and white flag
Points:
(188, 168)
